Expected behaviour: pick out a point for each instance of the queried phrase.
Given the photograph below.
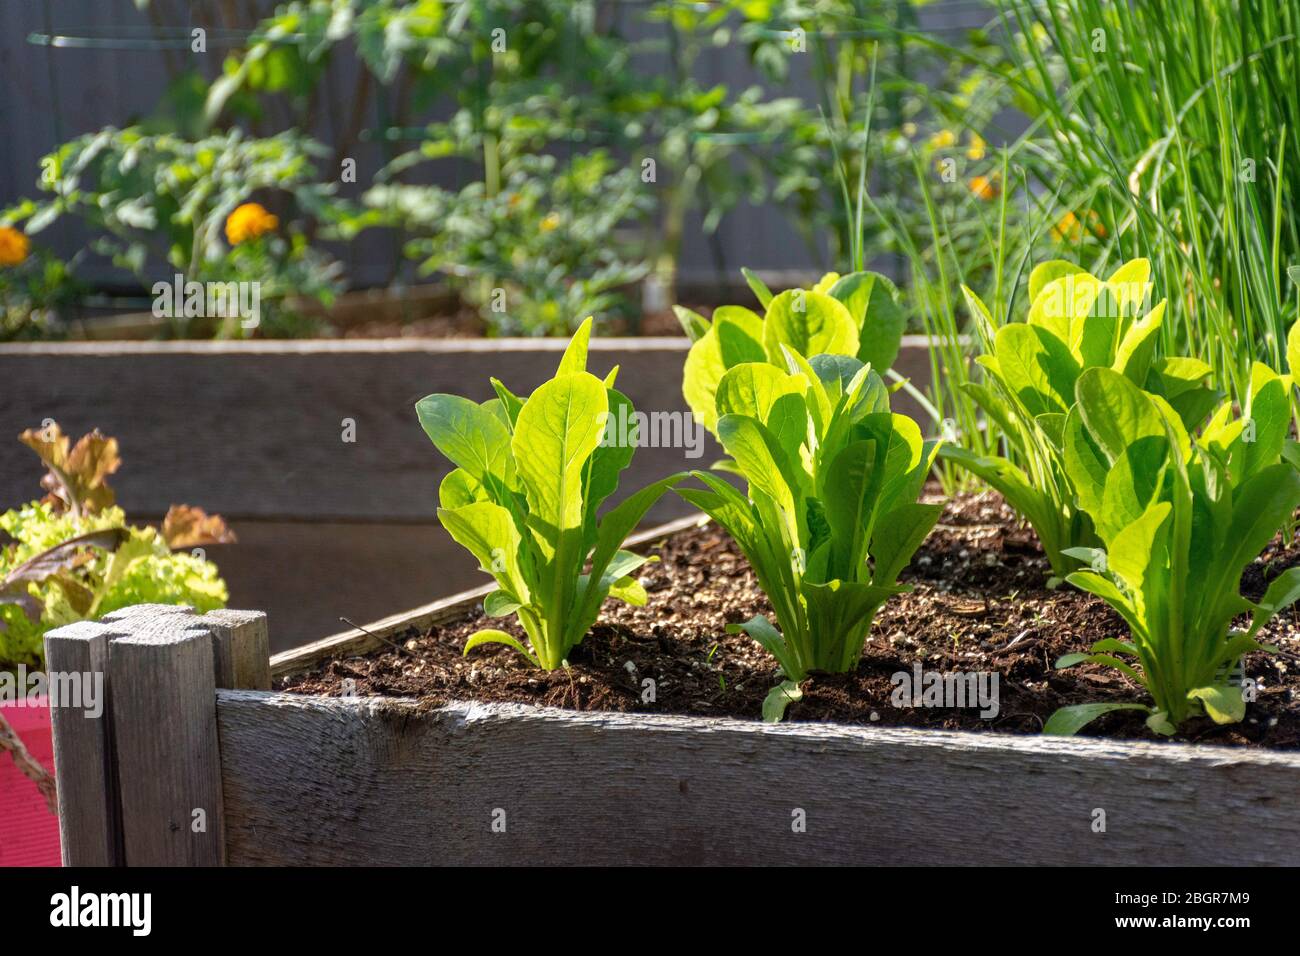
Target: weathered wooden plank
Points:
(241, 655)
(372, 636)
(328, 781)
(144, 611)
(83, 747)
(140, 781)
(161, 676)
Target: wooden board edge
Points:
(363, 640)
(813, 734)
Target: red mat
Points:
(29, 833)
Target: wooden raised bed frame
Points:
(288, 779)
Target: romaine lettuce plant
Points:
(1179, 519)
(1076, 322)
(529, 478)
(831, 517)
(854, 315)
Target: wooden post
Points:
(141, 785)
(165, 741)
(89, 827)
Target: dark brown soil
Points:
(461, 324)
(978, 604)
(468, 324)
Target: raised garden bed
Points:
(492, 763)
(255, 431)
(978, 604)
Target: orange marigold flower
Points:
(1069, 228)
(985, 187)
(249, 221)
(14, 246)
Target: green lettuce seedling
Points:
(1179, 519)
(529, 478)
(1076, 322)
(831, 517)
(854, 315)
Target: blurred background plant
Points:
(1172, 131)
(537, 256)
(1092, 130)
(884, 88)
(552, 109)
(151, 198)
(72, 555)
(35, 286)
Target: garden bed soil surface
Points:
(979, 603)
(466, 323)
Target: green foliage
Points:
(1172, 131)
(854, 316)
(831, 517)
(33, 294)
(142, 569)
(72, 556)
(527, 80)
(1076, 322)
(530, 476)
(885, 88)
(150, 198)
(548, 240)
(1179, 518)
(551, 54)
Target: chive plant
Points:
(1183, 121)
